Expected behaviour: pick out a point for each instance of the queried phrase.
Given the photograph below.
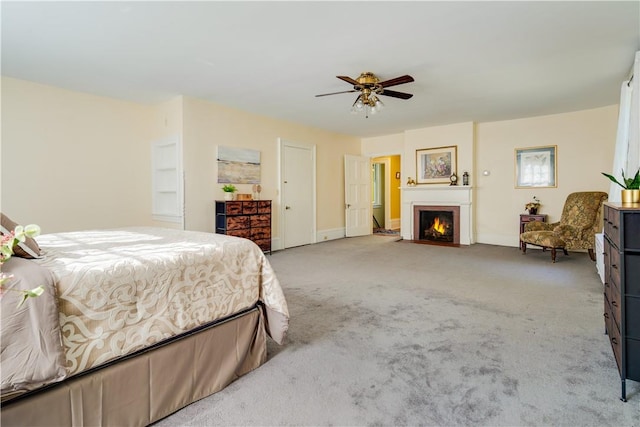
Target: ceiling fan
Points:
(369, 86)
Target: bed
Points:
(135, 324)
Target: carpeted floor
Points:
(386, 332)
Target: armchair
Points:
(581, 219)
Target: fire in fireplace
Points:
(437, 224)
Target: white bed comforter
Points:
(123, 290)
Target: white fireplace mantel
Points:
(461, 196)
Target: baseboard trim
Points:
(497, 239)
(330, 234)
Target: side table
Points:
(525, 218)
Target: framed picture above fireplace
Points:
(436, 165)
(536, 167)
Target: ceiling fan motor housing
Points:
(368, 82)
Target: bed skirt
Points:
(140, 390)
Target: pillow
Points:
(27, 249)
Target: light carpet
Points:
(386, 332)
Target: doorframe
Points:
(403, 173)
(387, 188)
(278, 243)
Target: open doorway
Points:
(385, 176)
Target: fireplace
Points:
(437, 224)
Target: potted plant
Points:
(630, 187)
(229, 189)
(533, 206)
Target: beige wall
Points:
(208, 125)
(73, 161)
(585, 141)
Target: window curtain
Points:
(627, 151)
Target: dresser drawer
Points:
(614, 336)
(260, 233)
(264, 244)
(612, 225)
(260, 220)
(233, 208)
(237, 222)
(246, 233)
(632, 273)
(632, 231)
(616, 304)
(632, 323)
(632, 356)
(614, 268)
(264, 206)
(249, 208)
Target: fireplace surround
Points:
(436, 224)
(438, 196)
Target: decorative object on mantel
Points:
(244, 196)
(411, 182)
(369, 86)
(533, 206)
(454, 179)
(229, 189)
(465, 178)
(630, 187)
(436, 165)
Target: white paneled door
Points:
(357, 192)
(298, 194)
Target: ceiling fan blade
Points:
(348, 80)
(397, 81)
(395, 94)
(335, 93)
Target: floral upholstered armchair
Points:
(580, 221)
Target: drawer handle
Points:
(614, 303)
(614, 266)
(615, 226)
(606, 284)
(614, 340)
(606, 315)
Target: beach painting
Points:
(238, 165)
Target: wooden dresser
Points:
(250, 219)
(622, 287)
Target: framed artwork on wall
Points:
(536, 167)
(238, 165)
(436, 165)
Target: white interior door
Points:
(357, 192)
(298, 194)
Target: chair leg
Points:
(524, 247)
(565, 251)
(553, 255)
(592, 255)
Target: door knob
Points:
(287, 207)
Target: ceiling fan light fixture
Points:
(369, 86)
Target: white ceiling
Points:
(472, 61)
